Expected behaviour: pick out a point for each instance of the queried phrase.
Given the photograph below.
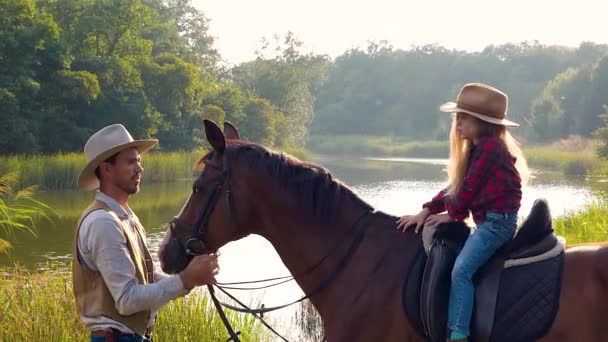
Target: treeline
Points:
(376, 90)
(69, 67)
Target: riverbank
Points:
(60, 171)
(39, 306)
(574, 156)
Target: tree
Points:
(183, 30)
(214, 113)
(287, 77)
(602, 135)
(175, 90)
(111, 29)
(29, 51)
(260, 125)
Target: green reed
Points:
(589, 224)
(377, 146)
(569, 162)
(60, 171)
(39, 306)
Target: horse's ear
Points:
(230, 131)
(215, 137)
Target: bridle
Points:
(200, 228)
(199, 238)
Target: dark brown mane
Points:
(315, 189)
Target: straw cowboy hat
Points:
(104, 144)
(483, 102)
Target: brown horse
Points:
(245, 189)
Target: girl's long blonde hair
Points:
(461, 148)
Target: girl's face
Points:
(467, 127)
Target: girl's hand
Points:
(435, 220)
(404, 222)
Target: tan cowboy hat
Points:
(483, 102)
(104, 144)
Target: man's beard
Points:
(130, 188)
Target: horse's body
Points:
(305, 214)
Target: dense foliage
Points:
(70, 67)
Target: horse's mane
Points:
(317, 192)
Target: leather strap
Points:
(486, 297)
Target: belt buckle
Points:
(107, 333)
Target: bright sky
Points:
(332, 26)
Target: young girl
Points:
(485, 175)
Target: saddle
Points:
(527, 270)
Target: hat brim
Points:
(452, 107)
(88, 180)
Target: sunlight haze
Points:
(331, 27)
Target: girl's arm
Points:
(437, 204)
(486, 156)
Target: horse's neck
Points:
(302, 244)
(301, 241)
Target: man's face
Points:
(126, 173)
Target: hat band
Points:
(482, 111)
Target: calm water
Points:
(394, 185)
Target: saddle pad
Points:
(528, 301)
(411, 292)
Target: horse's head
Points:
(209, 218)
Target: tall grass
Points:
(377, 146)
(39, 306)
(589, 224)
(18, 210)
(573, 156)
(569, 162)
(60, 171)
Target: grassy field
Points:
(39, 306)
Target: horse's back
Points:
(584, 296)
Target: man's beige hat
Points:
(483, 102)
(104, 144)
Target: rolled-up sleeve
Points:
(437, 204)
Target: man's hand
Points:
(200, 271)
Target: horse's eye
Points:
(195, 189)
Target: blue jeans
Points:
(490, 235)
(121, 337)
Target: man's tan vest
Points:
(93, 297)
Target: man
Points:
(117, 289)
